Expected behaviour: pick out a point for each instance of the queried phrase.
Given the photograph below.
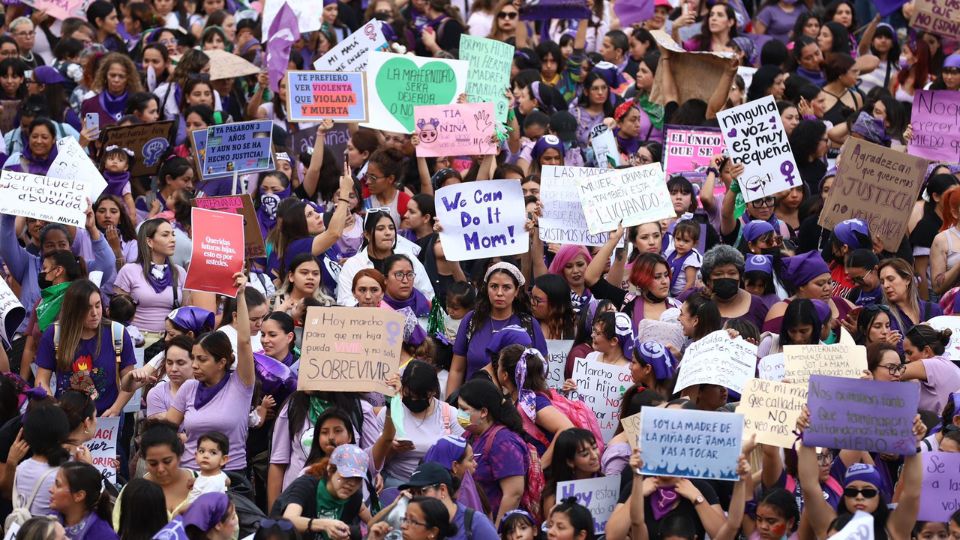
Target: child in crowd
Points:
(685, 260)
(117, 163)
(461, 299)
(122, 310)
(212, 455)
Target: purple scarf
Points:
(628, 146)
(34, 165)
(159, 284)
(417, 302)
(115, 105)
(116, 182)
(662, 501)
(206, 393)
(79, 531)
(267, 210)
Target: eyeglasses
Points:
(868, 493)
(894, 369)
(859, 279)
(418, 491)
(766, 201)
(30, 33)
(536, 301)
(825, 458)
(407, 521)
(404, 276)
(282, 524)
(507, 15)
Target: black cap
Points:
(429, 474)
(564, 125)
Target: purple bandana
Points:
(417, 302)
(527, 400)
(206, 393)
(628, 146)
(160, 276)
(116, 182)
(115, 105)
(662, 501)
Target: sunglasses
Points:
(507, 15)
(374, 211)
(868, 493)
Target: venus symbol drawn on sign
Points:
(787, 169)
(393, 331)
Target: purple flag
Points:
(633, 12)
(284, 31)
(542, 10)
(886, 7)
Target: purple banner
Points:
(940, 497)
(636, 11)
(886, 7)
(935, 121)
(537, 10)
(855, 414)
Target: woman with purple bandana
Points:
(211, 514)
(456, 455)
(40, 150)
(847, 236)
(571, 263)
(653, 366)
(272, 188)
(809, 277)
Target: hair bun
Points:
(945, 336)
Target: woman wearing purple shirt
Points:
(218, 399)
(115, 81)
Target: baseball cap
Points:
(429, 474)
(350, 460)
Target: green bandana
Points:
(328, 506)
(317, 406)
(654, 111)
(51, 299)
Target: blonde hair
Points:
(133, 77)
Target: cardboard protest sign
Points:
(239, 204)
(601, 387)
(225, 65)
(482, 219)
(631, 426)
(56, 200)
(12, 312)
(150, 144)
(563, 221)
(717, 359)
(599, 495)
(308, 18)
(940, 495)
(858, 528)
(696, 73)
(489, 72)
(73, 162)
(399, 83)
(217, 251)
(754, 136)
(350, 350)
(604, 146)
(941, 17)
(876, 184)
(689, 151)
(629, 196)
(770, 410)
(351, 53)
(334, 141)
(690, 444)
(771, 367)
(857, 414)
(557, 351)
(313, 96)
(103, 447)
(239, 148)
(461, 129)
(802, 361)
(952, 350)
(936, 125)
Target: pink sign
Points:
(689, 151)
(58, 9)
(217, 251)
(936, 125)
(465, 129)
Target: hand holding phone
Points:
(91, 121)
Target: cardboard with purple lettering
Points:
(629, 196)
(941, 17)
(461, 129)
(482, 219)
(940, 494)
(876, 184)
(857, 414)
(313, 96)
(690, 444)
(935, 121)
(351, 53)
(103, 447)
(754, 136)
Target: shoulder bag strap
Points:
(36, 488)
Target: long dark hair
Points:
(800, 312)
(565, 447)
(560, 315)
(521, 304)
(142, 510)
(147, 230)
(536, 380)
(84, 477)
(483, 394)
(580, 517)
(436, 515)
(298, 406)
(705, 38)
(125, 224)
(316, 449)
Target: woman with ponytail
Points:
(45, 430)
(443, 29)
(81, 503)
(923, 347)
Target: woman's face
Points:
(109, 23)
(811, 57)
(414, 218)
(778, 86)
(163, 242)
(285, 167)
(41, 141)
(951, 78)
(194, 122)
(10, 82)
(933, 530)
(660, 286)
(598, 93)
(368, 292)
(108, 214)
(276, 342)
(601, 342)
(201, 94)
(177, 365)
(844, 15)
(630, 123)
(330, 13)
(209, 6)
(400, 280)
(331, 434)
(894, 286)
(271, 184)
(306, 278)
(718, 21)
(648, 239)
(587, 459)
(860, 501)
(230, 27)
(355, 157)
(525, 101)
(644, 77)
(384, 235)
(501, 291)
(688, 320)
(770, 523)
(94, 312)
(818, 288)
(540, 304)
(560, 528)
(849, 79)
(791, 198)
(162, 464)
(61, 499)
(150, 112)
(377, 181)
(825, 39)
(116, 78)
(801, 334)
(681, 200)
(548, 66)
(913, 353)
(573, 271)
(551, 157)
(314, 220)
(214, 42)
(879, 328)
(507, 19)
(880, 113)
(206, 368)
(889, 369)
(414, 524)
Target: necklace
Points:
(493, 324)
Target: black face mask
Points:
(771, 252)
(43, 282)
(725, 288)
(416, 405)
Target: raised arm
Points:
(819, 513)
(312, 177)
(244, 348)
(638, 525)
(901, 519)
(323, 241)
(595, 269)
(718, 100)
(668, 85)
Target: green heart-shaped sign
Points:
(402, 85)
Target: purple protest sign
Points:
(886, 7)
(856, 414)
(936, 125)
(940, 496)
(633, 12)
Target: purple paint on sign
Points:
(862, 415)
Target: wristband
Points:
(344, 200)
(310, 525)
(714, 171)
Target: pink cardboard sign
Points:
(464, 129)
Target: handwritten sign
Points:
(629, 196)
(601, 387)
(351, 53)
(217, 251)
(238, 148)
(482, 219)
(696, 74)
(599, 495)
(690, 444)
(771, 367)
(398, 83)
(73, 162)
(150, 144)
(489, 72)
(802, 361)
(770, 410)
(604, 146)
(717, 359)
(876, 184)
(941, 17)
(857, 414)
(58, 9)
(12, 312)
(563, 221)
(690, 151)
(461, 129)
(754, 136)
(952, 350)
(103, 447)
(557, 351)
(858, 528)
(313, 96)
(56, 200)
(239, 204)
(350, 350)
(940, 495)
(936, 125)
(632, 426)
